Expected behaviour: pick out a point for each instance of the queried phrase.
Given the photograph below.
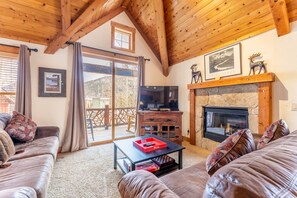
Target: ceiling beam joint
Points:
(280, 16)
(62, 37)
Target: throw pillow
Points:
(235, 146)
(4, 118)
(276, 130)
(6, 147)
(21, 127)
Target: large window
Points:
(8, 80)
(122, 37)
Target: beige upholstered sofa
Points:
(31, 168)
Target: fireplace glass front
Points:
(220, 122)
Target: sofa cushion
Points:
(235, 146)
(276, 130)
(268, 172)
(141, 183)
(47, 145)
(21, 127)
(6, 147)
(20, 192)
(189, 182)
(33, 172)
(4, 118)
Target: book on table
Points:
(148, 165)
(163, 161)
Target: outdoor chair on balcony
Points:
(131, 123)
(89, 121)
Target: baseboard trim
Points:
(186, 139)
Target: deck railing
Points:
(101, 117)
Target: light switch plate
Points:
(294, 107)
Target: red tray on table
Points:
(149, 144)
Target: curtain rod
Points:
(30, 49)
(115, 53)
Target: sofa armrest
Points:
(47, 131)
(24, 192)
(141, 183)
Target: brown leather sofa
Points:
(31, 168)
(268, 172)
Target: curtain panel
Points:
(75, 137)
(23, 101)
(141, 65)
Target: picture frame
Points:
(52, 82)
(223, 62)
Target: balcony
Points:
(101, 119)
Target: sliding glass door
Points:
(126, 87)
(110, 97)
(98, 98)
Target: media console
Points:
(165, 124)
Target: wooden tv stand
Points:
(166, 124)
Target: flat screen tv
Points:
(159, 98)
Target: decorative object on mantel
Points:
(254, 65)
(196, 75)
(223, 62)
(52, 82)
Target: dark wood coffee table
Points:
(134, 155)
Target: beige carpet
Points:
(89, 173)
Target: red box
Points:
(157, 144)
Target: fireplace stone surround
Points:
(245, 96)
(253, 92)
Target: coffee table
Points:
(134, 155)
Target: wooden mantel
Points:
(260, 78)
(264, 98)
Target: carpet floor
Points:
(89, 173)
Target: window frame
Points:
(117, 27)
(11, 53)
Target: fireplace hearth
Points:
(221, 122)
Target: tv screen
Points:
(159, 97)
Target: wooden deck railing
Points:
(101, 117)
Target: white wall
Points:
(101, 38)
(53, 111)
(280, 54)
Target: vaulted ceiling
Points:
(176, 30)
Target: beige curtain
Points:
(75, 137)
(141, 65)
(23, 102)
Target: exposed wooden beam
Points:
(280, 16)
(148, 42)
(61, 38)
(84, 31)
(66, 14)
(160, 25)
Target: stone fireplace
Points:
(229, 97)
(220, 122)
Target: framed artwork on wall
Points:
(223, 62)
(52, 82)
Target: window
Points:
(8, 81)
(122, 37)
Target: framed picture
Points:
(52, 82)
(223, 62)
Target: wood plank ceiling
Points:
(192, 27)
